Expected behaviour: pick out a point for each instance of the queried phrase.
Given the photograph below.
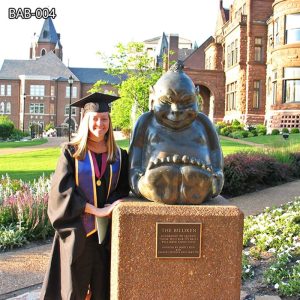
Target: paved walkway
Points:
(22, 271)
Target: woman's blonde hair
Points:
(80, 141)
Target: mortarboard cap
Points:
(96, 102)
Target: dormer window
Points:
(45, 34)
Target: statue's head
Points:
(173, 99)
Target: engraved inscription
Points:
(178, 240)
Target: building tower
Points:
(48, 40)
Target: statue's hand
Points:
(135, 177)
(217, 183)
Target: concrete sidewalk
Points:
(22, 271)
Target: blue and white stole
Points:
(85, 178)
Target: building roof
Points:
(48, 65)
(156, 40)
(48, 33)
(91, 75)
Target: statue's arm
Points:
(136, 150)
(216, 155)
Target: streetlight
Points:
(24, 98)
(70, 80)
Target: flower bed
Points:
(273, 238)
(23, 212)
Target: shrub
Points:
(275, 132)
(295, 164)
(6, 127)
(49, 126)
(245, 172)
(236, 122)
(295, 130)
(220, 125)
(261, 129)
(285, 130)
(18, 134)
(226, 130)
(245, 133)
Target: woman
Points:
(90, 177)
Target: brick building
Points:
(283, 65)
(250, 69)
(37, 91)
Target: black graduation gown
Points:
(66, 204)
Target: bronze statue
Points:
(175, 155)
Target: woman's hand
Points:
(101, 212)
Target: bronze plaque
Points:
(178, 240)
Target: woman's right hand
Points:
(107, 210)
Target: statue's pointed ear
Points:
(151, 97)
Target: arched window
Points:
(43, 52)
(8, 108)
(2, 108)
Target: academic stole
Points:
(86, 179)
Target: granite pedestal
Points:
(139, 271)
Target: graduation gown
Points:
(65, 208)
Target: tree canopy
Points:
(135, 69)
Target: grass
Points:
(19, 144)
(229, 147)
(276, 141)
(29, 165)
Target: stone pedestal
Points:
(137, 272)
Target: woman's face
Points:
(98, 125)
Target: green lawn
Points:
(30, 165)
(275, 140)
(22, 144)
(229, 147)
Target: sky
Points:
(89, 26)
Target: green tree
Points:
(134, 67)
(6, 127)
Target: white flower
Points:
(276, 286)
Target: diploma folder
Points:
(102, 224)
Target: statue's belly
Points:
(175, 180)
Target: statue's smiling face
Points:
(175, 110)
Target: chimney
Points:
(221, 3)
(173, 47)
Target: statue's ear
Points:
(151, 97)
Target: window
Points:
(37, 90)
(8, 90)
(236, 51)
(74, 92)
(292, 28)
(36, 108)
(2, 90)
(73, 110)
(5, 108)
(291, 85)
(1, 107)
(256, 93)
(8, 108)
(276, 32)
(52, 91)
(231, 95)
(228, 57)
(274, 87)
(258, 49)
(232, 54)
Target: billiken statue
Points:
(175, 155)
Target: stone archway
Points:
(204, 93)
(211, 85)
(73, 124)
